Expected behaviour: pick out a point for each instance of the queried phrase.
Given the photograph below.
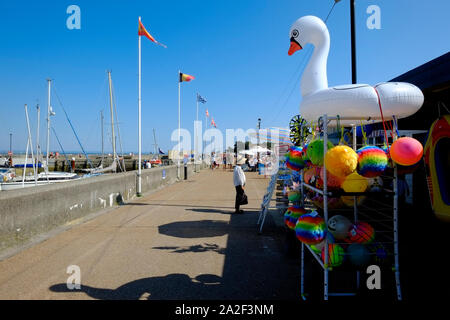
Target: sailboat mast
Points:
(156, 145)
(38, 147)
(101, 117)
(48, 121)
(112, 116)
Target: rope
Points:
(363, 133)
(382, 119)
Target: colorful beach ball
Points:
(310, 228)
(292, 214)
(294, 196)
(336, 255)
(315, 151)
(294, 159)
(339, 226)
(355, 183)
(358, 254)
(406, 151)
(372, 161)
(341, 161)
(361, 232)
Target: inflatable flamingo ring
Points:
(352, 102)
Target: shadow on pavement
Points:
(196, 248)
(171, 287)
(195, 229)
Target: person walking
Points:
(239, 183)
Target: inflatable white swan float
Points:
(353, 102)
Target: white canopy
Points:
(255, 150)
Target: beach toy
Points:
(317, 248)
(333, 181)
(406, 151)
(294, 196)
(315, 151)
(355, 183)
(339, 226)
(349, 200)
(294, 159)
(341, 161)
(310, 228)
(361, 232)
(336, 255)
(375, 184)
(308, 174)
(358, 254)
(349, 101)
(372, 161)
(294, 213)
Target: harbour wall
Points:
(26, 213)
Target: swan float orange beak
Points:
(295, 46)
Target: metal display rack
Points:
(381, 215)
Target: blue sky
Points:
(237, 51)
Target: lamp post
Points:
(257, 146)
(353, 36)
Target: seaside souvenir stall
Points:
(344, 206)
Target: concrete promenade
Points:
(181, 242)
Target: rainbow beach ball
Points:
(372, 161)
(310, 228)
(361, 232)
(292, 214)
(336, 255)
(294, 159)
(341, 161)
(406, 151)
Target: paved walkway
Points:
(181, 242)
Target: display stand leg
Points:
(325, 207)
(396, 266)
(302, 276)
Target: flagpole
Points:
(196, 139)
(139, 121)
(179, 134)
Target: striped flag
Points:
(200, 99)
(143, 32)
(185, 77)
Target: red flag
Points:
(143, 32)
(213, 123)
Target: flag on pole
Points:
(213, 123)
(207, 113)
(143, 32)
(201, 99)
(185, 77)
